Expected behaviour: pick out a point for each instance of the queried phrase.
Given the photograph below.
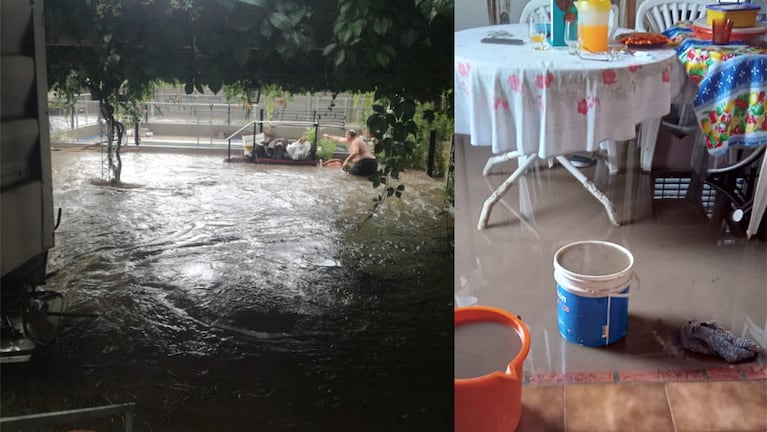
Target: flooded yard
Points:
(235, 296)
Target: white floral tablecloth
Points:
(550, 103)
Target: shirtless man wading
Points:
(363, 162)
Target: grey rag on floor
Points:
(707, 337)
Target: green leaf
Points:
(344, 8)
(399, 134)
(340, 57)
(363, 6)
(260, 3)
(329, 49)
(407, 108)
(379, 108)
(401, 187)
(188, 87)
(379, 125)
(214, 84)
(357, 27)
(198, 86)
(389, 191)
(411, 127)
(388, 49)
(379, 26)
(409, 37)
(266, 29)
(382, 58)
(280, 21)
(347, 33)
(338, 26)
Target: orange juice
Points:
(537, 38)
(593, 37)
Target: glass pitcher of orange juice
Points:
(597, 22)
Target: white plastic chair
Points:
(658, 15)
(541, 9)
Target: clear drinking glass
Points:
(571, 37)
(721, 29)
(537, 33)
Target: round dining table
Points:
(543, 104)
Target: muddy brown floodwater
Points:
(236, 296)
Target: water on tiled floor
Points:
(688, 267)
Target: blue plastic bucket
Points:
(593, 281)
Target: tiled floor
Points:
(688, 269)
(674, 406)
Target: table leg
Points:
(495, 160)
(612, 156)
(591, 187)
(760, 200)
(648, 136)
(487, 207)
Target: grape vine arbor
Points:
(118, 49)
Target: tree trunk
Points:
(106, 114)
(118, 166)
(113, 151)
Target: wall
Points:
(25, 154)
(470, 13)
(205, 132)
(473, 13)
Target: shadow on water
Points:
(240, 296)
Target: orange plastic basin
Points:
(493, 402)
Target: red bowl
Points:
(704, 31)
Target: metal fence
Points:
(82, 113)
(170, 105)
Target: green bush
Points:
(325, 147)
(428, 118)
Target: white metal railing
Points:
(207, 114)
(254, 123)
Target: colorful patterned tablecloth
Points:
(732, 88)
